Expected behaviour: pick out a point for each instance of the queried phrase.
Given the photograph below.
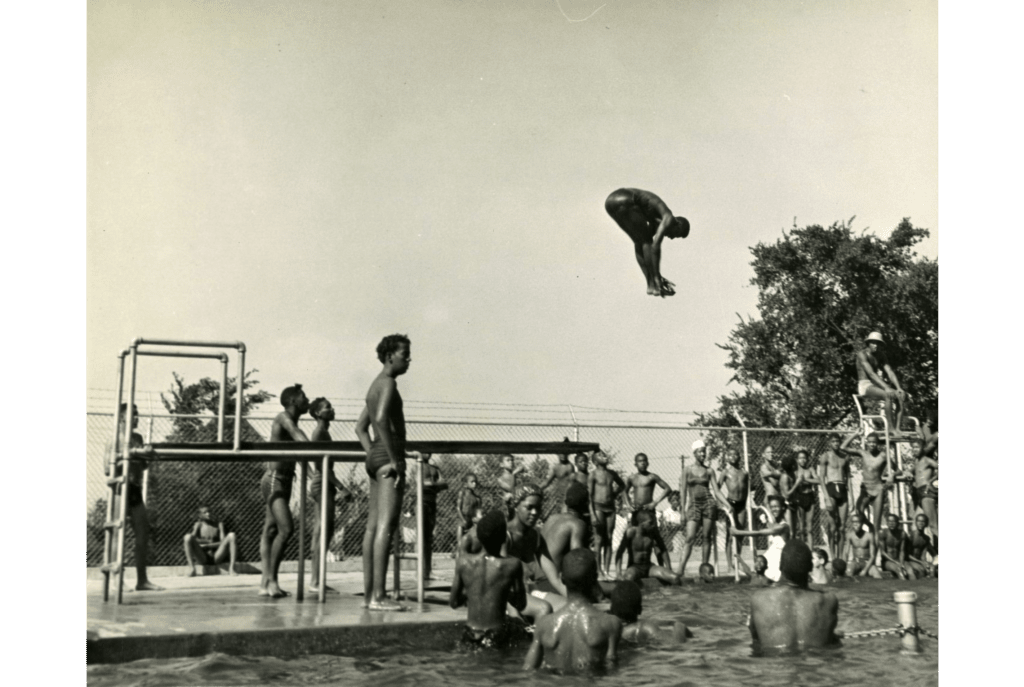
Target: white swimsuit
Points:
(774, 556)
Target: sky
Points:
(308, 177)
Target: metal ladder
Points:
(867, 425)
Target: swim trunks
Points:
(872, 489)
(805, 497)
(378, 458)
(274, 485)
(643, 570)
(702, 507)
(510, 633)
(646, 203)
(837, 492)
(862, 387)
(739, 512)
(926, 491)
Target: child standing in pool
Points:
(820, 574)
(603, 485)
(577, 637)
(487, 583)
(627, 605)
(385, 466)
(527, 544)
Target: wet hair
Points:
(314, 407)
(795, 562)
(579, 570)
(492, 531)
(823, 553)
(627, 601)
(576, 497)
(706, 569)
(290, 394)
(525, 491)
(390, 344)
(839, 567)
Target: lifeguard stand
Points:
(868, 425)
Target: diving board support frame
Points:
(110, 563)
(750, 495)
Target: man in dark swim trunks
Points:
(875, 466)
(322, 411)
(734, 483)
(648, 221)
(385, 466)
(788, 615)
(642, 485)
(834, 479)
(639, 542)
(603, 485)
(487, 582)
(132, 489)
(276, 489)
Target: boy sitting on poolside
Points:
(820, 574)
(627, 605)
(892, 541)
(486, 582)
(923, 541)
(577, 636)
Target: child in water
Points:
(627, 605)
(820, 574)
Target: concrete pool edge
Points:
(347, 640)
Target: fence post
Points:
(575, 425)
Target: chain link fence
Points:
(176, 490)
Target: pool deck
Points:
(194, 616)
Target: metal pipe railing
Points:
(223, 397)
(108, 537)
(300, 585)
(126, 473)
(239, 393)
(322, 562)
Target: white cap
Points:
(875, 336)
(696, 445)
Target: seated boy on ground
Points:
(922, 541)
(860, 545)
(639, 542)
(208, 544)
(627, 605)
(788, 615)
(577, 636)
(893, 542)
(820, 574)
(486, 583)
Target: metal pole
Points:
(906, 608)
(750, 493)
(300, 585)
(420, 534)
(126, 448)
(396, 545)
(576, 425)
(322, 563)
(239, 392)
(112, 489)
(145, 471)
(223, 397)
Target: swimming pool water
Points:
(719, 654)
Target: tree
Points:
(203, 397)
(821, 291)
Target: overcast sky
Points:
(307, 177)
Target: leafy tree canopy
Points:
(821, 291)
(203, 397)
